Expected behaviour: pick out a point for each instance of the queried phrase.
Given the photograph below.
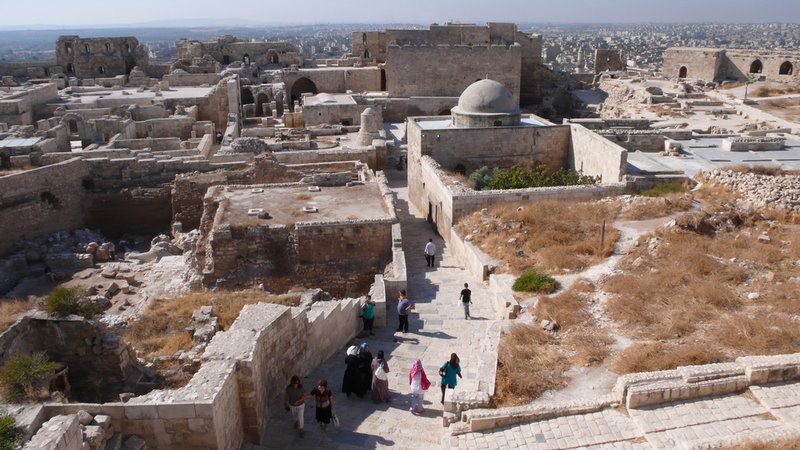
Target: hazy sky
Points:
(100, 12)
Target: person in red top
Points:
(419, 384)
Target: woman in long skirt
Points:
(380, 379)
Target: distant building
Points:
(100, 57)
(713, 64)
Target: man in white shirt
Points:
(430, 252)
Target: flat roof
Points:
(19, 142)
(285, 204)
(329, 99)
(133, 93)
(441, 123)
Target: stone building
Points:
(229, 49)
(606, 60)
(487, 129)
(713, 64)
(100, 57)
(444, 59)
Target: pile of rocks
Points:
(762, 191)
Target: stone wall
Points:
(441, 71)
(731, 64)
(58, 433)
(477, 263)
(608, 60)
(130, 211)
(591, 154)
(100, 364)
(700, 63)
(100, 57)
(42, 201)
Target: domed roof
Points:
(487, 97)
(370, 111)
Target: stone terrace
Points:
(437, 329)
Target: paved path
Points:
(437, 329)
(763, 414)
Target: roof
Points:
(486, 97)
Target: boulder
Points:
(549, 325)
(84, 418)
(94, 435)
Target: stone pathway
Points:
(763, 414)
(437, 329)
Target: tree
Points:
(750, 80)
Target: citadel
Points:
(177, 240)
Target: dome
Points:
(487, 97)
(370, 111)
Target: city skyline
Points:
(90, 13)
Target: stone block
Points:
(102, 421)
(176, 411)
(139, 412)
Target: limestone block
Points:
(84, 418)
(102, 421)
(94, 435)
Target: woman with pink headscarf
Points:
(419, 383)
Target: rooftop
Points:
(285, 203)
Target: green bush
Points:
(675, 187)
(10, 433)
(521, 177)
(535, 281)
(22, 372)
(64, 301)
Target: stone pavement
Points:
(437, 329)
(762, 414)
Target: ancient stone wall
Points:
(699, 63)
(608, 60)
(370, 45)
(130, 211)
(731, 64)
(41, 201)
(100, 364)
(100, 57)
(332, 80)
(448, 70)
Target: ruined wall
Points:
(100, 364)
(228, 49)
(606, 59)
(25, 107)
(531, 66)
(370, 45)
(738, 64)
(42, 201)
(100, 57)
(334, 79)
(133, 211)
(440, 71)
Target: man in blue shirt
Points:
(404, 306)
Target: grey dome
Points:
(487, 97)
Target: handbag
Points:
(380, 373)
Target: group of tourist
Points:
(365, 372)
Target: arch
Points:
(460, 169)
(86, 48)
(756, 66)
(246, 59)
(364, 38)
(260, 100)
(444, 112)
(70, 68)
(128, 48)
(226, 59)
(247, 96)
(272, 57)
(68, 47)
(366, 54)
(108, 47)
(101, 70)
(683, 72)
(786, 68)
(301, 86)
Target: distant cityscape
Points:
(567, 48)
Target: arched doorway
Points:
(261, 99)
(246, 59)
(272, 57)
(683, 72)
(756, 66)
(300, 87)
(786, 68)
(383, 79)
(444, 112)
(366, 54)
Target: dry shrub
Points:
(654, 207)
(549, 235)
(162, 329)
(763, 334)
(650, 357)
(530, 362)
(12, 309)
(763, 169)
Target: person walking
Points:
(419, 384)
(351, 383)
(380, 379)
(404, 307)
(466, 300)
(324, 400)
(368, 315)
(448, 372)
(294, 400)
(430, 253)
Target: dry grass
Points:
(791, 444)
(302, 197)
(761, 169)
(664, 111)
(162, 329)
(12, 309)
(650, 357)
(551, 236)
(644, 208)
(532, 361)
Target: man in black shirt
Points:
(466, 299)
